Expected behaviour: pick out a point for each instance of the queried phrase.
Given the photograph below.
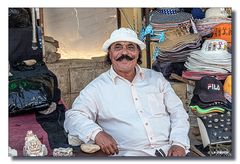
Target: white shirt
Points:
(141, 115)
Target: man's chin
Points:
(124, 62)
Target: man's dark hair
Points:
(109, 62)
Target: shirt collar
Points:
(114, 75)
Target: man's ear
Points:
(110, 55)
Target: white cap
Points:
(123, 34)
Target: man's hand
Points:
(106, 142)
(176, 150)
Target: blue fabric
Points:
(142, 34)
(161, 37)
(149, 30)
(168, 11)
(146, 31)
(156, 52)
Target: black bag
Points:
(32, 89)
(29, 94)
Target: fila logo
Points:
(215, 87)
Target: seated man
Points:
(129, 110)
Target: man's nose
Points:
(125, 50)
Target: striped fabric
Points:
(168, 11)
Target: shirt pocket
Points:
(156, 105)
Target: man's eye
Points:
(118, 47)
(131, 47)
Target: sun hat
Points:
(123, 34)
(169, 15)
(214, 49)
(177, 37)
(223, 31)
(213, 56)
(209, 89)
(216, 12)
(197, 65)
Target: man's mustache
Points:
(125, 57)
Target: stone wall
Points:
(74, 74)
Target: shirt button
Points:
(146, 124)
(151, 138)
(136, 99)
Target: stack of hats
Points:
(208, 96)
(212, 57)
(223, 31)
(213, 17)
(179, 37)
(178, 43)
(176, 26)
(164, 18)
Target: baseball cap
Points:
(196, 101)
(209, 89)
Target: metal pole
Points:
(148, 52)
(34, 38)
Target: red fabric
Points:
(197, 75)
(18, 127)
